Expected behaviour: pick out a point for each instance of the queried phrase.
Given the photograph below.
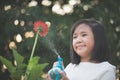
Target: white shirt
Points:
(90, 71)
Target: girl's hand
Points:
(64, 77)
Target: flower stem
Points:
(32, 53)
(34, 46)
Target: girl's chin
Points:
(82, 53)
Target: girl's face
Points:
(83, 41)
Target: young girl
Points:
(89, 53)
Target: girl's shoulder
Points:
(107, 64)
(102, 65)
(69, 66)
(107, 70)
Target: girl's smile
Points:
(80, 46)
(83, 41)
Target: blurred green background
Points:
(16, 27)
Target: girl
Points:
(89, 53)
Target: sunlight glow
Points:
(16, 22)
(68, 8)
(44, 75)
(15, 63)
(18, 38)
(85, 7)
(3, 69)
(4, 66)
(74, 2)
(118, 53)
(48, 23)
(22, 23)
(33, 3)
(29, 34)
(117, 29)
(111, 21)
(22, 11)
(22, 77)
(56, 7)
(8, 7)
(62, 10)
(46, 2)
(12, 45)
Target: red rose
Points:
(41, 27)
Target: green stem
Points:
(32, 53)
(34, 46)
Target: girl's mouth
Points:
(80, 46)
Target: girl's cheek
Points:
(73, 44)
(74, 41)
(87, 39)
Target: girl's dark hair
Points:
(101, 49)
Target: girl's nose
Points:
(79, 40)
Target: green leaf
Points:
(8, 64)
(31, 63)
(19, 71)
(34, 61)
(36, 71)
(20, 68)
(19, 59)
(15, 71)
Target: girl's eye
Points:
(84, 35)
(74, 37)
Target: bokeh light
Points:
(33, 3)
(62, 10)
(46, 2)
(22, 11)
(3, 69)
(117, 29)
(18, 38)
(85, 7)
(68, 8)
(29, 34)
(4, 66)
(111, 21)
(22, 23)
(48, 23)
(8, 7)
(15, 63)
(74, 2)
(56, 7)
(16, 22)
(12, 45)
